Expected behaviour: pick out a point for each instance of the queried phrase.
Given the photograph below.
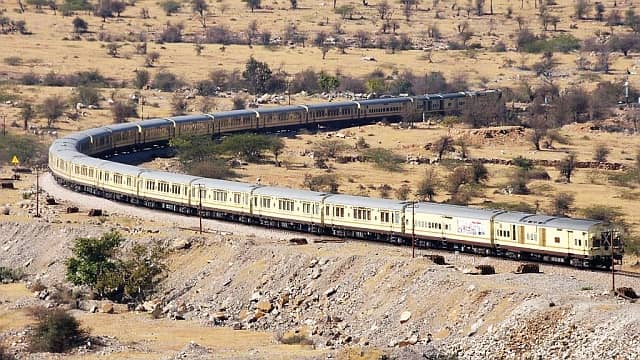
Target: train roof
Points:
(241, 112)
(122, 169)
(190, 118)
(293, 194)
(225, 185)
(153, 123)
(101, 131)
(576, 224)
(280, 109)
(122, 127)
(63, 144)
(68, 154)
(392, 100)
(522, 218)
(331, 105)
(454, 211)
(169, 177)
(90, 161)
(365, 202)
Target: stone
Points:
(106, 307)
(255, 297)
(237, 326)
(283, 299)
(264, 305)
(413, 339)
(219, 316)
(258, 315)
(180, 244)
(329, 292)
(405, 316)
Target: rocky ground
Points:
(336, 294)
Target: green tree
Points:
(141, 79)
(248, 146)
(257, 74)
(142, 270)
(561, 204)
(93, 262)
(328, 83)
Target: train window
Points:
(266, 202)
(557, 240)
(129, 181)
(151, 185)
(362, 214)
(220, 195)
(446, 226)
(175, 189)
(237, 198)
(306, 208)
(285, 205)
(326, 210)
(384, 216)
(338, 211)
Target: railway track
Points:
(627, 273)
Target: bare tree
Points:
(428, 186)
(442, 146)
(52, 108)
(567, 166)
(201, 8)
(383, 9)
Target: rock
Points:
(315, 273)
(106, 307)
(283, 299)
(180, 244)
(475, 327)
(405, 316)
(237, 326)
(264, 305)
(413, 339)
(5, 210)
(255, 297)
(88, 305)
(258, 315)
(329, 292)
(219, 316)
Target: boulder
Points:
(283, 299)
(329, 292)
(264, 305)
(106, 307)
(405, 316)
(219, 316)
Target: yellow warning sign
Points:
(15, 160)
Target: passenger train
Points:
(75, 162)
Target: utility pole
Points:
(413, 229)
(200, 210)
(613, 271)
(37, 192)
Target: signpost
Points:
(15, 161)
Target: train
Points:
(80, 161)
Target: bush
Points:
(86, 95)
(122, 110)
(324, 182)
(26, 147)
(239, 102)
(30, 78)
(214, 169)
(99, 263)
(141, 79)
(172, 33)
(56, 331)
(10, 275)
(170, 7)
(166, 81)
(561, 204)
(13, 60)
(561, 43)
(385, 159)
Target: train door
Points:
(542, 237)
(520, 234)
(569, 237)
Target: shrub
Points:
(561, 204)
(86, 95)
(324, 182)
(206, 87)
(141, 79)
(561, 43)
(172, 33)
(10, 275)
(5, 354)
(166, 81)
(122, 110)
(13, 60)
(239, 102)
(55, 331)
(403, 192)
(600, 153)
(170, 7)
(385, 159)
(30, 78)
(214, 169)
(26, 147)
